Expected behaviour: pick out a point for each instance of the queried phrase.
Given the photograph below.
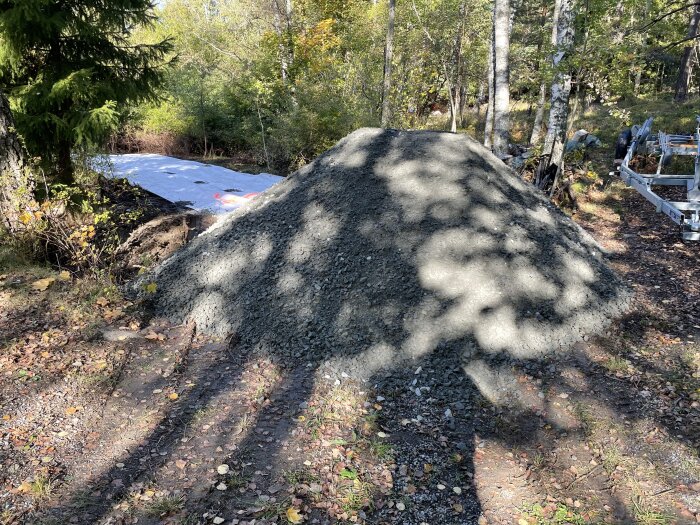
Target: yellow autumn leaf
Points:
(71, 410)
(173, 396)
(112, 314)
(42, 284)
(293, 515)
(64, 276)
(102, 301)
(6, 417)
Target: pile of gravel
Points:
(390, 246)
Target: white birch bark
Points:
(388, 57)
(561, 85)
(501, 80)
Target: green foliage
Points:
(553, 515)
(68, 65)
(251, 77)
(75, 225)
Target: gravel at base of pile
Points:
(390, 246)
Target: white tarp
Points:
(194, 184)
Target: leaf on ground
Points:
(102, 301)
(293, 515)
(64, 276)
(150, 287)
(42, 284)
(113, 313)
(173, 396)
(154, 336)
(71, 410)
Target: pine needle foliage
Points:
(68, 66)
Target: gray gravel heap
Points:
(391, 246)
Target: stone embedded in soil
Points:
(393, 246)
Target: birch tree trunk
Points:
(501, 68)
(281, 48)
(536, 135)
(488, 127)
(553, 152)
(456, 88)
(388, 57)
(688, 58)
(16, 184)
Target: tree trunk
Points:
(553, 152)
(280, 46)
(65, 164)
(16, 183)
(688, 58)
(462, 104)
(388, 57)
(488, 127)
(501, 68)
(456, 92)
(454, 109)
(539, 116)
(285, 35)
(536, 135)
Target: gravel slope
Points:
(391, 246)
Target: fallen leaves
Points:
(293, 515)
(112, 313)
(102, 301)
(41, 285)
(155, 336)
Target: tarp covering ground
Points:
(199, 186)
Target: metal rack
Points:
(684, 213)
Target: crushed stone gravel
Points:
(389, 247)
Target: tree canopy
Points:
(70, 65)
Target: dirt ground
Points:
(109, 416)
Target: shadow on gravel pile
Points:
(388, 247)
(390, 251)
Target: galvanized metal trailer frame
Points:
(684, 213)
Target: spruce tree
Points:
(68, 65)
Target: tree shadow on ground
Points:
(392, 254)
